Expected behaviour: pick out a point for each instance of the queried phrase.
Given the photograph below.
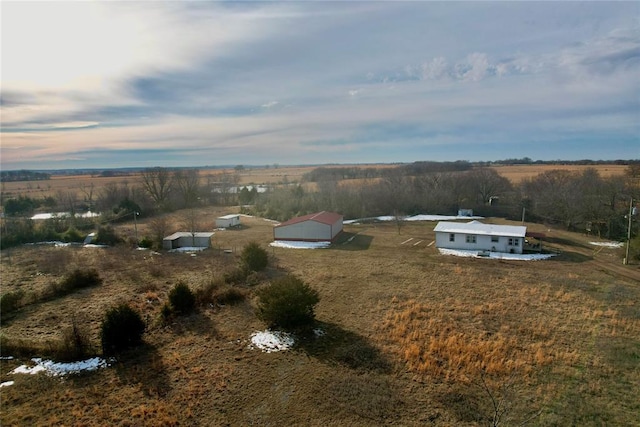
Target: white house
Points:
(475, 235)
(227, 221)
(182, 239)
(317, 227)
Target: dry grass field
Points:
(516, 173)
(270, 175)
(412, 337)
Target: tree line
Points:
(578, 200)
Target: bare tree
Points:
(187, 183)
(192, 221)
(88, 191)
(158, 183)
(159, 227)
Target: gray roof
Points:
(230, 216)
(477, 227)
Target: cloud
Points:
(277, 82)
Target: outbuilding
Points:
(317, 227)
(476, 235)
(228, 221)
(183, 239)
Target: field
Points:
(411, 337)
(271, 175)
(516, 173)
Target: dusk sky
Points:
(140, 84)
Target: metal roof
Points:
(230, 216)
(477, 227)
(323, 217)
(179, 234)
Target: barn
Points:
(476, 235)
(228, 221)
(317, 227)
(183, 239)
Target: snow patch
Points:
(6, 384)
(58, 369)
(299, 245)
(271, 341)
(608, 244)
(189, 249)
(495, 255)
(420, 217)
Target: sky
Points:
(195, 83)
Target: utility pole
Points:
(523, 211)
(135, 225)
(626, 257)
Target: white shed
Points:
(227, 221)
(317, 227)
(183, 239)
(476, 235)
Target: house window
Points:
(495, 239)
(471, 238)
(516, 242)
(452, 237)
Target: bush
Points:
(181, 299)
(236, 276)
(229, 296)
(146, 242)
(10, 302)
(72, 235)
(77, 279)
(288, 303)
(254, 257)
(107, 236)
(122, 328)
(76, 344)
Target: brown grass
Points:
(517, 173)
(568, 330)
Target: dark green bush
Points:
(254, 257)
(287, 302)
(72, 235)
(122, 328)
(182, 299)
(107, 236)
(146, 243)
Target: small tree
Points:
(254, 257)
(287, 302)
(122, 328)
(182, 299)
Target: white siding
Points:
(483, 242)
(306, 230)
(228, 221)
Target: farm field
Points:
(271, 175)
(411, 337)
(517, 173)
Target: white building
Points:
(475, 235)
(227, 221)
(317, 227)
(183, 239)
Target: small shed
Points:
(465, 212)
(228, 221)
(317, 227)
(183, 239)
(476, 235)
